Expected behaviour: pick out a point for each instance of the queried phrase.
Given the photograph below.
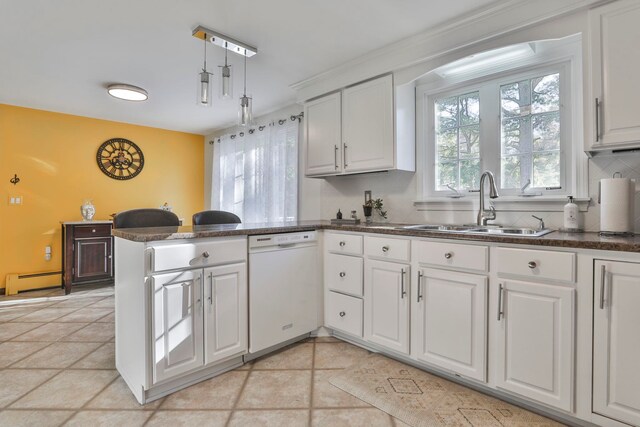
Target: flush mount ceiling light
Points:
(127, 92)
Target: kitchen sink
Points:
(474, 229)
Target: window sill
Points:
(505, 204)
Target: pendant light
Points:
(204, 82)
(245, 115)
(226, 84)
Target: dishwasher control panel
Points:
(282, 239)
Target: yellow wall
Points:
(54, 156)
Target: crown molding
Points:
(470, 29)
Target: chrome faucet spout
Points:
(484, 215)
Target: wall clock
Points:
(120, 158)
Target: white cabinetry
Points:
(615, 58)
(366, 127)
(616, 341)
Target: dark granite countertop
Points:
(590, 240)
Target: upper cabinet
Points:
(615, 58)
(367, 127)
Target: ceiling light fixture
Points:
(245, 115)
(127, 92)
(204, 86)
(224, 41)
(226, 84)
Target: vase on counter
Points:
(88, 210)
(368, 211)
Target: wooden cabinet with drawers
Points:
(87, 249)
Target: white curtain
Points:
(255, 176)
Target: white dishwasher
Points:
(284, 287)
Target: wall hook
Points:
(15, 179)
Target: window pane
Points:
(516, 135)
(446, 113)
(545, 93)
(470, 109)
(447, 173)
(469, 141)
(469, 174)
(511, 172)
(546, 131)
(546, 170)
(516, 99)
(447, 144)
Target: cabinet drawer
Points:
(344, 243)
(540, 264)
(457, 255)
(98, 230)
(198, 254)
(343, 273)
(344, 313)
(387, 248)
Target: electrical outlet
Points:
(16, 200)
(47, 253)
(19, 200)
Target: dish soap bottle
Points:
(571, 216)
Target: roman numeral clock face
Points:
(120, 158)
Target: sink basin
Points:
(472, 229)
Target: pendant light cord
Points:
(205, 53)
(245, 72)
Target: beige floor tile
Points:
(69, 389)
(8, 313)
(77, 302)
(269, 418)
(109, 418)
(11, 352)
(326, 395)
(49, 332)
(108, 302)
(95, 332)
(13, 329)
(86, 315)
(102, 358)
(57, 355)
(364, 417)
(245, 367)
(118, 396)
(298, 356)
(109, 318)
(47, 314)
(217, 393)
(17, 382)
(327, 339)
(338, 355)
(189, 418)
(26, 418)
(276, 389)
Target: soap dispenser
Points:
(571, 216)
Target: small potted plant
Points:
(371, 205)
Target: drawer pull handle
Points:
(500, 309)
(385, 249)
(342, 243)
(403, 291)
(342, 274)
(420, 276)
(448, 255)
(532, 264)
(603, 278)
(205, 254)
(342, 314)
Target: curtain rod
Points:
(293, 118)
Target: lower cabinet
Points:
(616, 341)
(386, 314)
(343, 313)
(535, 341)
(451, 321)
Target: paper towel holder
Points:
(600, 185)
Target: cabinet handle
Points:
(210, 288)
(532, 264)
(385, 249)
(342, 244)
(93, 230)
(500, 311)
(403, 292)
(603, 282)
(420, 276)
(342, 314)
(342, 274)
(205, 254)
(335, 156)
(448, 255)
(344, 154)
(597, 120)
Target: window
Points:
(514, 124)
(255, 174)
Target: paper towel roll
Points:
(617, 205)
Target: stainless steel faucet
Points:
(483, 215)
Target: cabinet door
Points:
(386, 316)
(177, 323)
(226, 316)
(535, 341)
(616, 341)
(451, 313)
(323, 139)
(615, 58)
(367, 126)
(93, 259)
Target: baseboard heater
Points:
(30, 281)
